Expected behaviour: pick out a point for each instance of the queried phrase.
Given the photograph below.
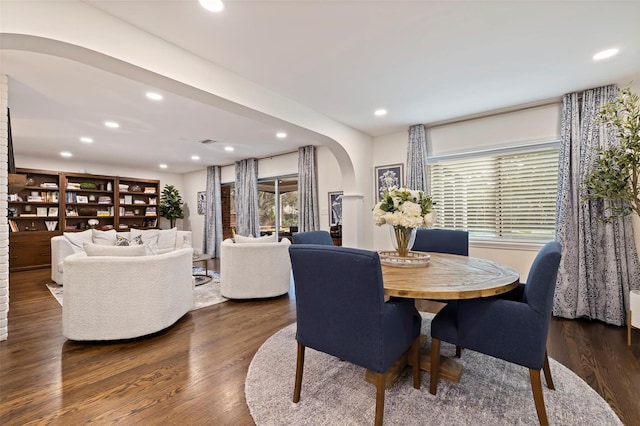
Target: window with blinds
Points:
(511, 195)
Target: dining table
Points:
(445, 278)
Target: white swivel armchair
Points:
(254, 270)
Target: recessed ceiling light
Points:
(163, 166)
(380, 112)
(281, 135)
(228, 148)
(195, 157)
(212, 5)
(605, 54)
(154, 96)
(111, 124)
(66, 154)
(86, 139)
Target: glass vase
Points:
(403, 239)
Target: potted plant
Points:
(615, 178)
(171, 204)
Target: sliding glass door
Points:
(278, 205)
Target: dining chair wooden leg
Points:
(547, 372)
(299, 369)
(435, 365)
(538, 398)
(379, 398)
(415, 356)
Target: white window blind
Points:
(510, 195)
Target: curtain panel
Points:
(417, 159)
(599, 262)
(308, 213)
(247, 214)
(213, 213)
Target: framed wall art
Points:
(335, 208)
(387, 177)
(202, 202)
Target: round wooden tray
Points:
(414, 259)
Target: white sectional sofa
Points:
(113, 293)
(156, 241)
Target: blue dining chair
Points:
(313, 237)
(442, 241)
(513, 328)
(447, 241)
(341, 311)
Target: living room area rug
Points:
(203, 295)
(490, 392)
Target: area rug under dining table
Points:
(490, 392)
(203, 295)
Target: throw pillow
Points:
(149, 237)
(78, 239)
(104, 250)
(167, 238)
(122, 241)
(105, 238)
(239, 239)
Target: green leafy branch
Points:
(613, 182)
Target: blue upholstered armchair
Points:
(442, 241)
(313, 237)
(513, 328)
(341, 311)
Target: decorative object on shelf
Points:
(87, 185)
(404, 210)
(171, 204)
(93, 223)
(30, 182)
(109, 186)
(135, 188)
(87, 211)
(615, 178)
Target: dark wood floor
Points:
(194, 372)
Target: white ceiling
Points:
(424, 61)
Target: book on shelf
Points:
(149, 189)
(139, 202)
(12, 197)
(49, 185)
(123, 187)
(28, 215)
(150, 211)
(13, 226)
(104, 200)
(35, 199)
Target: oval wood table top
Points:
(449, 277)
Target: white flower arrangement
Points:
(404, 207)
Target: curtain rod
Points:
(494, 112)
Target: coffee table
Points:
(202, 278)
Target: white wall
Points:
(4, 227)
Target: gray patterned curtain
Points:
(213, 213)
(599, 260)
(417, 159)
(308, 213)
(247, 215)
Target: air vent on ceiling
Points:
(207, 141)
